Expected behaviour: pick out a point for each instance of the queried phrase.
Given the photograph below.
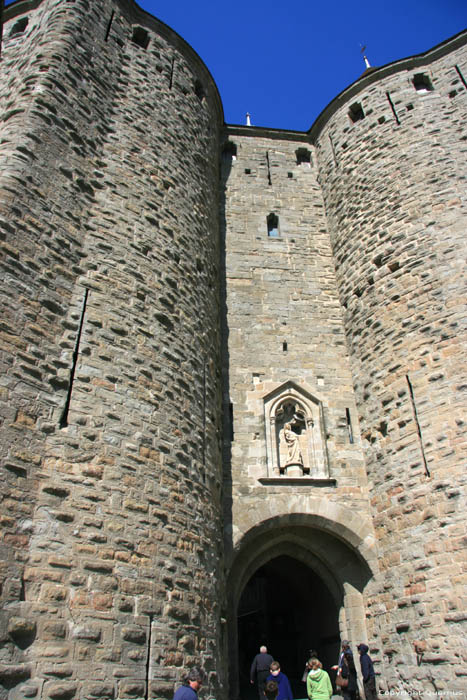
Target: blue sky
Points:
(285, 61)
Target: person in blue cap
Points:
(191, 684)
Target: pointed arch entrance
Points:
(294, 584)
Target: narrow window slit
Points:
(349, 425)
(391, 103)
(417, 423)
(64, 417)
(333, 151)
(1, 27)
(231, 422)
(269, 168)
(204, 418)
(172, 70)
(109, 25)
(462, 79)
(148, 657)
(284, 346)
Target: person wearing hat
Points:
(368, 673)
(191, 684)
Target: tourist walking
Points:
(285, 691)
(318, 683)
(368, 673)
(191, 684)
(259, 670)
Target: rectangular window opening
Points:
(273, 225)
(356, 112)
(140, 37)
(303, 156)
(422, 83)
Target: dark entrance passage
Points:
(286, 606)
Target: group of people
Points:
(274, 685)
(346, 678)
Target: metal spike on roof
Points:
(367, 62)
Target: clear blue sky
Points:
(285, 60)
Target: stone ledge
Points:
(296, 481)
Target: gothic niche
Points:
(294, 433)
(291, 438)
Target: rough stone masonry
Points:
(177, 294)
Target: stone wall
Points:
(284, 341)
(284, 320)
(393, 183)
(341, 263)
(110, 343)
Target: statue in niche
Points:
(292, 440)
(295, 434)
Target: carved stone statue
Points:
(292, 441)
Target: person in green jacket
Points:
(318, 683)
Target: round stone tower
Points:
(392, 169)
(109, 141)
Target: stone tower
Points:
(230, 396)
(110, 372)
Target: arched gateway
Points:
(296, 582)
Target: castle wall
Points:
(284, 346)
(394, 189)
(337, 293)
(110, 352)
(284, 322)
